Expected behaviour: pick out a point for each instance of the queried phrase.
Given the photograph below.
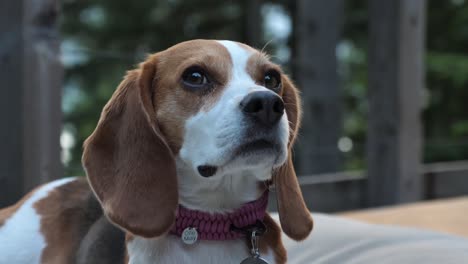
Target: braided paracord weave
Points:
(218, 226)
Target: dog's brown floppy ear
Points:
(129, 165)
(295, 218)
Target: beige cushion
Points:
(342, 241)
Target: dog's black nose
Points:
(266, 107)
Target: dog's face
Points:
(202, 114)
(219, 106)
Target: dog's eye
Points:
(272, 80)
(194, 77)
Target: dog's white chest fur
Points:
(171, 249)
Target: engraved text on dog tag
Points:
(189, 235)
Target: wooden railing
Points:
(331, 192)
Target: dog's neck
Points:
(220, 193)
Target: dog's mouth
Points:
(251, 149)
(256, 146)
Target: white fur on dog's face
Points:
(213, 136)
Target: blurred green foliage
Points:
(104, 38)
(446, 114)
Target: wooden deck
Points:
(443, 215)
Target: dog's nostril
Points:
(254, 105)
(278, 106)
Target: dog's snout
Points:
(265, 107)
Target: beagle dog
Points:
(178, 169)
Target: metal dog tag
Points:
(189, 235)
(254, 260)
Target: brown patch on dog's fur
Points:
(8, 212)
(64, 220)
(174, 103)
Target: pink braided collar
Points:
(218, 226)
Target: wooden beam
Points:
(345, 190)
(396, 80)
(317, 31)
(323, 195)
(30, 106)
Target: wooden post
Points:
(317, 31)
(30, 106)
(396, 80)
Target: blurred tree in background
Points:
(104, 38)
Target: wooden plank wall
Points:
(343, 191)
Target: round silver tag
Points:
(189, 235)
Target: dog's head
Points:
(201, 113)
